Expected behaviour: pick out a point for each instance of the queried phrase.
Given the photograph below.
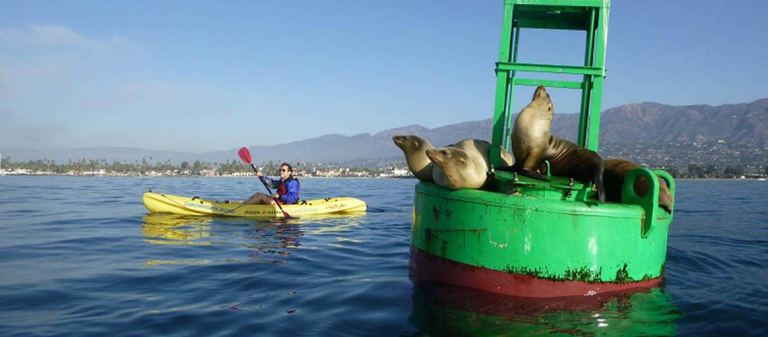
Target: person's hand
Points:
(276, 196)
(258, 173)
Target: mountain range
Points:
(638, 123)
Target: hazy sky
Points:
(215, 75)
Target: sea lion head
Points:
(458, 168)
(443, 156)
(414, 148)
(542, 100)
(411, 143)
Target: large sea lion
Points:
(531, 134)
(615, 171)
(415, 149)
(464, 164)
(533, 143)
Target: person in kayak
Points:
(287, 188)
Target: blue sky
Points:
(214, 75)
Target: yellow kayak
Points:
(174, 204)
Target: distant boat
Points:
(761, 179)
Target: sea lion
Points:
(415, 149)
(567, 159)
(531, 134)
(422, 168)
(615, 171)
(464, 164)
(458, 168)
(533, 143)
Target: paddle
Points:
(245, 155)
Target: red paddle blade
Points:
(244, 155)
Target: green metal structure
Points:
(590, 16)
(533, 238)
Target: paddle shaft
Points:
(261, 178)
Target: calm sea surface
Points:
(80, 256)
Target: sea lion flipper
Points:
(598, 177)
(530, 165)
(507, 158)
(533, 174)
(600, 188)
(666, 208)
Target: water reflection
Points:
(267, 241)
(270, 243)
(449, 311)
(172, 229)
(333, 223)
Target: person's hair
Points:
(290, 168)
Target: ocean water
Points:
(79, 256)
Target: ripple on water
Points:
(105, 266)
